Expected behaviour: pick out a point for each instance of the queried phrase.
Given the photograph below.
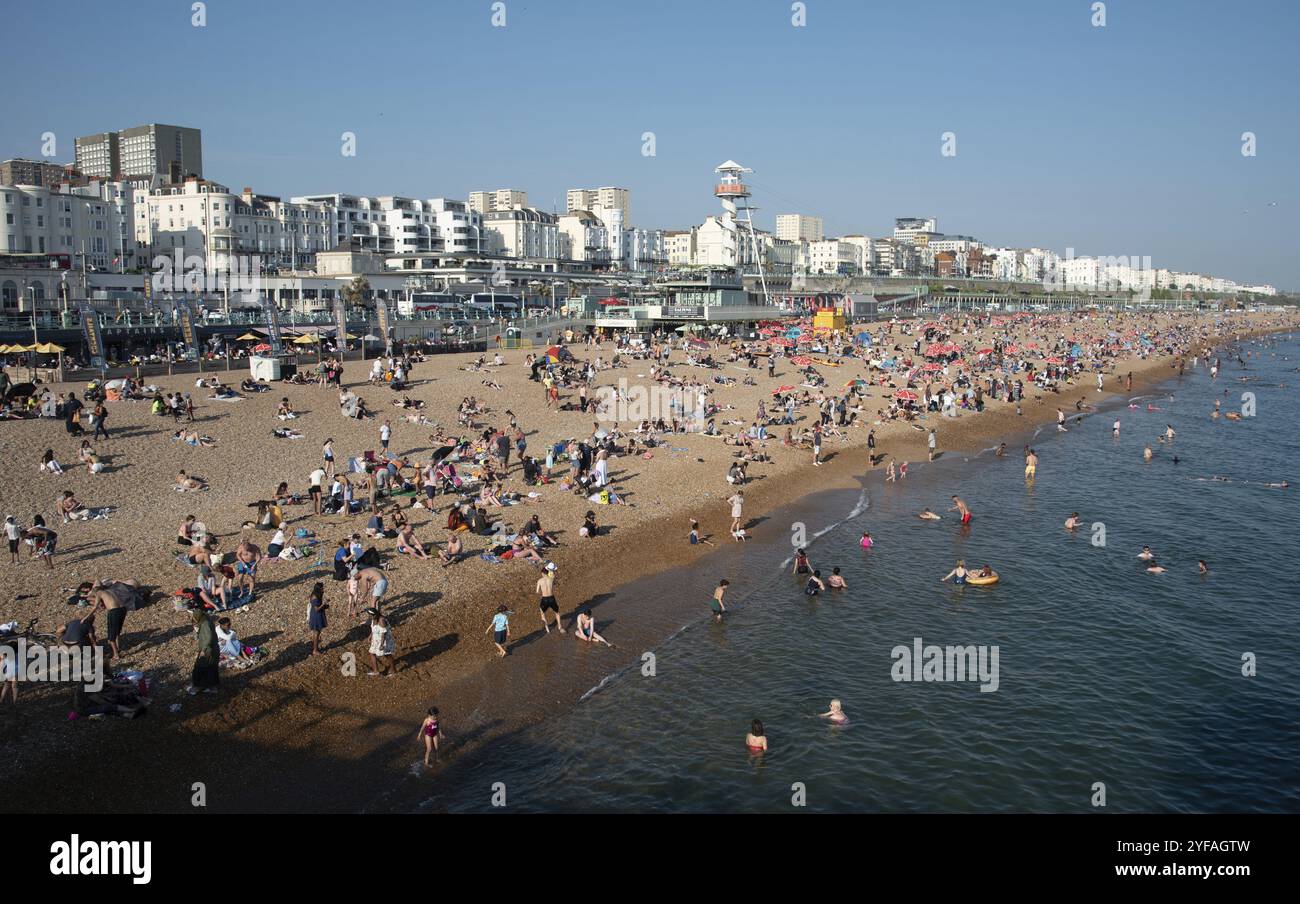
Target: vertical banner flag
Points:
(273, 327)
(90, 332)
(381, 308)
(186, 315)
(341, 323)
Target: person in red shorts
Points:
(960, 507)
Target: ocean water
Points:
(1106, 674)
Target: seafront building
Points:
(795, 227)
(173, 152)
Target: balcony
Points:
(731, 189)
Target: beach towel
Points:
(488, 557)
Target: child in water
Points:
(429, 731)
(835, 714)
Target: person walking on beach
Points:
(737, 501)
(871, 447)
(316, 621)
(546, 594)
(327, 453)
(430, 731)
(500, 629)
(382, 645)
(817, 445)
(100, 415)
(385, 434)
(931, 441)
(716, 604)
(314, 488)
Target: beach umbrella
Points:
(986, 351)
(781, 389)
(48, 348)
(262, 348)
(932, 367)
(1053, 361)
(306, 339)
(1031, 345)
(247, 337)
(1013, 350)
(906, 395)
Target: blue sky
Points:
(1120, 140)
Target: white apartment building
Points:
(794, 227)
(204, 218)
(608, 197)
(644, 249)
(43, 220)
(388, 224)
(499, 199)
(863, 247)
(679, 247)
(583, 237)
(461, 228)
(523, 232)
(832, 256)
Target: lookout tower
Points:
(732, 191)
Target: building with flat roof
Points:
(794, 227)
(499, 199)
(608, 198)
(173, 152)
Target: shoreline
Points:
(306, 721)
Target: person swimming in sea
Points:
(1072, 522)
(958, 574)
(836, 580)
(866, 542)
(1146, 554)
(815, 584)
(835, 714)
(1153, 567)
(928, 515)
(756, 740)
(1201, 567)
(801, 565)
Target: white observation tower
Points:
(732, 191)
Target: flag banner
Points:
(273, 328)
(341, 323)
(186, 316)
(90, 332)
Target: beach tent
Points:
(863, 339)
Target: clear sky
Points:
(1115, 140)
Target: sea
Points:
(1113, 689)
